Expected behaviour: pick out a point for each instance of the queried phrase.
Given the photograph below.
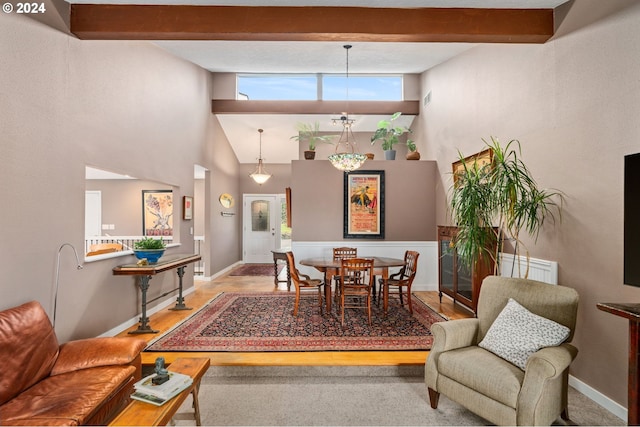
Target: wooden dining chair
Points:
(356, 281)
(338, 255)
(303, 283)
(402, 279)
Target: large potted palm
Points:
(496, 202)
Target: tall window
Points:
(311, 87)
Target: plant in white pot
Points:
(310, 133)
(496, 202)
(390, 135)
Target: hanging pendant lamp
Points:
(346, 158)
(260, 175)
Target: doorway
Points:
(261, 216)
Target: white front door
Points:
(260, 217)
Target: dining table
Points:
(331, 267)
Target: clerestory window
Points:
(311, 87)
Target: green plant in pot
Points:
(310, 133)
(497, 202)
(390, 134)
(149, 248)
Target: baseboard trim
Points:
(614, 407)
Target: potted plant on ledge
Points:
(310, 133)
(390, 136)
(149, 248)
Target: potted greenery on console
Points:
(496, 201)
(149, 248)
(390, 136)
(311, 134)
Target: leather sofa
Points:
(83, 382)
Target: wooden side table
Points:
(280, 255)
(631, 312)
(139, 413)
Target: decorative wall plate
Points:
(226, 200)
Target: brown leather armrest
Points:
(92, 352)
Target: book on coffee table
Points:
(146, 391)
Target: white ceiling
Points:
(311, 57)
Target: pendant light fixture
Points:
(260, 175)
(346, 158)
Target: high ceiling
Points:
(284, 46)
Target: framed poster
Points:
(364, 205)
(187, 207)
(157, 212)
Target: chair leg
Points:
(295, 307)
(400, 293)
(369, 308)
(409, 299)
(434, 396)
(342, 308)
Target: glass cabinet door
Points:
(446, 266)
(465, 288)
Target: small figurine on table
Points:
(162, 375)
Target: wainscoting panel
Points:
(426, 277)
(539, 269)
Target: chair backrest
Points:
(410, 264)
(293, 271)
(344, 252)
(101, 251)
(557, 303)
(102, 246)
(357, 273)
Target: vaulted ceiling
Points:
(306, 36)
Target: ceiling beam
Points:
(230, 106)
(272, 23)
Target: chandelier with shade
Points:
(260, 175)
(346, 157)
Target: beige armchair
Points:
(488, 385)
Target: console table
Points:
(144, 274)
(631, 312)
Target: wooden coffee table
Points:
(145, 414)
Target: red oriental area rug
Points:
(255, 270)
(243, 322)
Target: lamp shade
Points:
(260, 175)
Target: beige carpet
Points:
(341, 396)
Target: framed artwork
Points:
(364, 205)
(187, 207)
(483, 158)
(157, 212)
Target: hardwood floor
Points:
(206, 290)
